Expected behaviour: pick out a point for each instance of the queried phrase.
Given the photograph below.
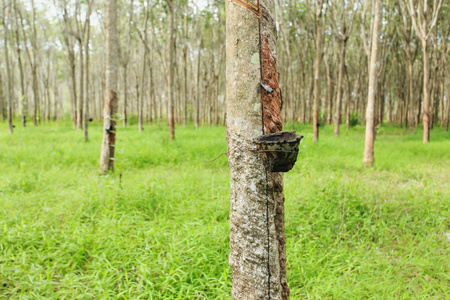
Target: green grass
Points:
(158, 227)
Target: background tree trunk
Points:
(338, 108)
(87, 94)
(23, 97)
(423, 30)
(370, 119)
(111, 99)
(171, 81)
(318, 56)
(6, 20)
(2, 99)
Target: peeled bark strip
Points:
(111, 100)
(257, 240)
(270, 93)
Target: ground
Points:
(158, 227)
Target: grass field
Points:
(158, 227)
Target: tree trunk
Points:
(19, 60)
(419, 100)
(185, 91)
(2, 100)
(36, 112)
(441, 100)
(171, 82)
(347, 101)
(197, 96)
(330, 91)
(426, 94)
(141, 93)
(87, 95)
(73, 87)
(411, 89)
(111, 99)
(7, 7)
(370, 120)
(81, 92)
(152, 91)
(318, 21)
(55, 100)
(447, 118)
(338, 108)
(304, 97)
(358, 84)
(125, 94)
(37, 109)
(144, 62)
(257, 240)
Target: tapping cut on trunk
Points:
(271, 97)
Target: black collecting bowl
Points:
(279, 150)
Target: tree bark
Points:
(338, 108)
(347, 101)
(197, 90)
(370, 120)
(19, 60)
(330, 90)
(36, 113)
(2, 100)
(111, 98)
(418, 101)
(87, 94)
(171, 82)
(318, 56)
(143, 72)
(185, 90)
(257, 240)
(423, 30)
(81, 91)
(72, 64)
(426, 94)
(125, 94)
(7, 18)
(447, 118)
(411, 90)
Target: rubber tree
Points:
(143, 70)
(342, 28)
(171, 65)
(317, 58)
(257, 237)
(125, 60)
(6, 19)
(410, 51)
(23, 97)
(66, 30)
(33, 60)
(87, 95)
(111, 92)
(423, 26)
(370, 119)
